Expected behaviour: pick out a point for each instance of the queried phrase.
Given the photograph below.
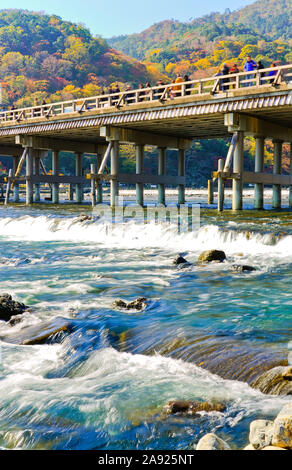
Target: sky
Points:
(115, 17)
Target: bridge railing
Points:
(273, 76)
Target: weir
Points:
(244, 104)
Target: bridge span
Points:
(257, 104)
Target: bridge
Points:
(257, 104)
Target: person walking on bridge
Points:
(249, 66)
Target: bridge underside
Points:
(172, 124)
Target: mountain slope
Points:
(262, 29)
(45, 57)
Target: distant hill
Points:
(45, 57)
(197, 48)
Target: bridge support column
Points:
(29, 173)
(161, 172)
(99, 195)
(114, 171)
(238, 168)
(70, 192)
(277, 170)
(259, 168)
(139, 171)
(93, 170)
(78, 188)
(181, 172)
(16, 184)
(37, 186)
(290, 188)
(221, 184)
(55, 172)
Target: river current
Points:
(104, 385)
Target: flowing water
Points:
(206, 332)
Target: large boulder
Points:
(192, 407)
(9, 307)
(261, 433)
(276, 381)
(273, 448)
(212, 442)
(282, 432)
(212, 255)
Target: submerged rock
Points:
(282, 432)
(38, 334)
(242, 268)
(84, 218)
(276, 381)
(212, 442)
(261, 433)
(192, 407)
(212, 255)
(9, 307)
(138, 304)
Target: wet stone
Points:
(192, 407)
(138, 304)
(179, 260)
(276, 381)
(212, 255)
(9, 307)
(242, 268)
(212, 442)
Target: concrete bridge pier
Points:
(115, 153)
(181, 172)
(29, 174)
(99, 195)
(259, 168)
(140, 171)
(161, 172)
(55, 172)
(238, 168)
(37, 186)
(16, 184)
(78, 187)
(277, 170)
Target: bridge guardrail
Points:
(272, 76)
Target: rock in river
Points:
(276, 381)
(192, 407)
(242, 268)
(9, 307)
(212, 442)
(180, 260)
(212, 255)
(138, 304)
(282, 432)
(261, 433)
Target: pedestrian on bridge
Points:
(249, 66)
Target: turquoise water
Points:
(104, 385)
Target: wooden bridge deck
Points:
(169, 110)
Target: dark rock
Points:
(84, 218)
(212, 255)
(276, 381)
(180, 260)
(241, 268)
(15, 320)
(192, 407)
(9, 307)
(137, 304)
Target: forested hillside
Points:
(45, 57)
(198, 48)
